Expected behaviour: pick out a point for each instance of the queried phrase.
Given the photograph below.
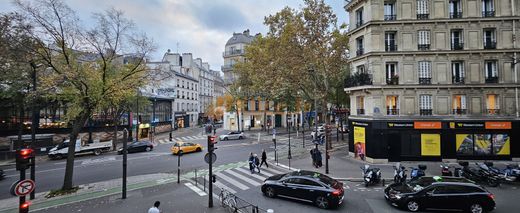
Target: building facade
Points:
(435, 79)
(206, 85)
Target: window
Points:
(390, 44)
(390, 13)
(360, 103)
(360, 69)
(359, 45)
(425, 105)
(392, 105)
(457, 40)
(257, 105)
(459, 105)
(488, 8)
(490, 41)
(178, 94)
(359, 17)
(392, 77)
(422, 9)
(309, 182)
(455, 9)
(425, 72)
(423, 40)
(491, 71)
(183, 84)
(457, 68)
(178, 108)
(178, 83)
(492, 104)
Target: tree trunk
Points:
(69, 168)
(114, 140)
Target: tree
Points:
(86, 67)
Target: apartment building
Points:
(434, 79)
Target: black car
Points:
(440, 193)
(307, 186)
(2, 174)
(137, 146)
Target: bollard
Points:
(258, 137)
(196, 181)
(270, 211)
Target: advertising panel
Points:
(501, 144)
(464, 143)
(359, 142)
(430, 144)
(483, 144)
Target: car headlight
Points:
(398, 196)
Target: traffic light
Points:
(24, 207)
(213, 178)
(23, 158)
(212, 140)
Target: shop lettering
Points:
(498, 125)
(359, 124)
(427, 125)
(395, 125)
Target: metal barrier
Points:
(234, 204)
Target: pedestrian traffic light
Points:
(213, 178)
(23, 158)
(24, 207)
(212, 140)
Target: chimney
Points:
(246, 32)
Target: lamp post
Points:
(137, 118)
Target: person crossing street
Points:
(264, 159)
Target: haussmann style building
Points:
(434, 79)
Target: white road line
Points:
(184, 138)
(190, 137)
(262, 171)
(177, 139)
(244, 178)
(232, 181)
(274, 171)
(195, 189)
(221, 185)
(261, 178)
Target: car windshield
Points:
(177, 144)
(321, 177)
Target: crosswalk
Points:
(185, 138)
(240, 178)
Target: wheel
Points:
(383, 182)
(198, 150)
(322, 202)
(269, 192)
(240, 137)
(366, 183)
(493, 183)
(412, 206)
(97, 152)
(148, 149)
(225, 138)
(476, 208)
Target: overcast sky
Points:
(201, 27)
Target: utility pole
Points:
(289, 156)
(34, 125)
(137, 118)
(211, 147)
(125, 148)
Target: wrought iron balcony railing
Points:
(391, 48)
(425, 81)
(493, 111)
(488, 13)
(423, 46)
(392, 111)
(359, 23)
(360, 111)
(457, 80)
(394, 80)
(457, 46)
(360, 51)
(390, 17)
(423, 16)
(456, 15)
(425, 111)
(492, 80)
(490, 45)
(233, 52)
(459, 111)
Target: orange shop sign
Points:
(427, 125)
(498, 125)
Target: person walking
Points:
(250, 160)
(155, 208)
(264, 159)
(256, 162)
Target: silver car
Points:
(231, 135)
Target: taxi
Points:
(185, 147)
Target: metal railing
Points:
(457, 80)
(457, 46)
(392, 111)
(425, 111)
(359, 52)
(423, 16)
(390, 17)
(235, 204)
(392, 80)
(359, 23)
(456, 15)
(459, 111)
(493, 79)
(423, 46)
(391, 48)
(493, 111)
(360, 111)
(488, 13)
(425, 81)
(233, 52)
(490, 45)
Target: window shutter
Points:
(463, 102)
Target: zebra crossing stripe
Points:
(266, 173)
(190, 137)
(220, 185)
(232, 181)
(176, 139)
(184, 138)
(195, 189)
(244, 178)
(261, 178)
(274, 171)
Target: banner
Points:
(430, 144)
(359, 142)
(464, 143)
(483, 144)
(501, 144)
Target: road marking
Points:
(195, 189)
(98, 160)
(266, 173)
(222, 186)
(177, 139)
(261, 178)
(184, 138)
(232, 181)
(274, 171)
(246, 179)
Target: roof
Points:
(240, 38)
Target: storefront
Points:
(403, 140)
(182, 120)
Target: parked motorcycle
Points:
(479, 175)
(371, 176)
(446, 170)
(509, 174)
(417, 172)
(399, 173)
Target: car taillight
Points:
(337, 192)
(492, 196)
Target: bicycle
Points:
(228, 200)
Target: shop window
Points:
(492, 102)
(360, 103)
(482, 144)
(392, 105)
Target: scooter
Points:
(418, 172)
(371, 175)
(508, 174)
(399, 173)
(446, 170)
(479, 175)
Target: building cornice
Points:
(446, 118)
(433, 52)
(367, 88)
(352, 3)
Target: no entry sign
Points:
(22, 188)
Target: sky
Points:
(200, 27)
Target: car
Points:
(231, 135)
(308, 186)
(446, 193)
(185, 147)
(137, 146)
(321, 131)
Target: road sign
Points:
(22, 188)
(213, 158)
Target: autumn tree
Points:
(87, 68)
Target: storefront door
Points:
(278, 120)
(394, 147)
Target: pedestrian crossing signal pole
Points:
(212, 140)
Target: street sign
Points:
(22, 188)
(213, 158)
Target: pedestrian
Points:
(264, 159)
(155, 208)
(256, 161)
(313, 156)
(318, 158)
(250, 160)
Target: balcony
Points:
(459, 111)
(359, 23)
(227, 67)
(233, 52)
(358, 79)
(425, 111)
(423, 46)
(390, 17)
(425, 81)
(391, 48)
(360, 52)
(423, 16)
(392, 111)
(457, 46)
(492, 80)
(457, 80)
(489, 45)
(360, 111)
(456, 15)
(493, 111)
(488, 13)
(394, 80)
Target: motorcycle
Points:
(446, 170)
(371, 175)
(479, 175)
(417, 172)
(508, 174)
(399, 173)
